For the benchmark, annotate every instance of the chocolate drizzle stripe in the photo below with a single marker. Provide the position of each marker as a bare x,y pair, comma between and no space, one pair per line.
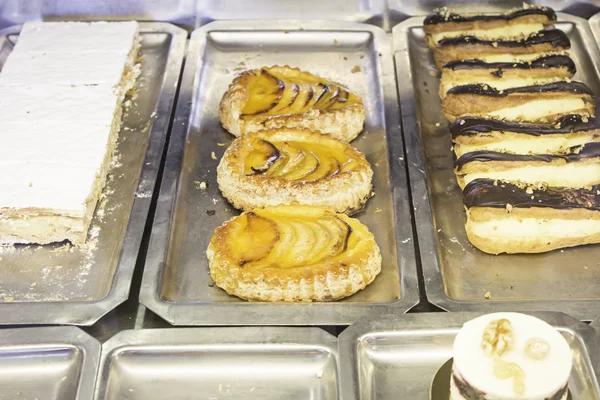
440,17
481,89
484,193
471,126
550,61
555,37
590,150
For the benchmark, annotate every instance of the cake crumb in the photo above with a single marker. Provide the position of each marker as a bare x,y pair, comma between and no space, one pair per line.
585,267
221,144
213,155
336,42
437,124
9,299
355,69
378,210
33,284
508,208
495,183
200,185
487,295
462,121
529,190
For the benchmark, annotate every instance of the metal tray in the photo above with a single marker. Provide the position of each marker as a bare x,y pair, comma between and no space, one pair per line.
47,363
219,363
594,22
176,283
59,284
384,356
456,274
369,11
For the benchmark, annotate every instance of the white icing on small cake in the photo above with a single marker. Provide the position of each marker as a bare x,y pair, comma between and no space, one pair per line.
538,350
62,89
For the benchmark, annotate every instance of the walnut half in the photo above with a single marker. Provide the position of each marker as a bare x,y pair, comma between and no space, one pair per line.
497,337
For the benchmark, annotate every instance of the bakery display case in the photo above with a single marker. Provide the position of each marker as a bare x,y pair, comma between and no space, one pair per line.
160,317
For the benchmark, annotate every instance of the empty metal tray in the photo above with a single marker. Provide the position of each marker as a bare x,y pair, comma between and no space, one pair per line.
457,275
391,357
176,283
47,363
219,363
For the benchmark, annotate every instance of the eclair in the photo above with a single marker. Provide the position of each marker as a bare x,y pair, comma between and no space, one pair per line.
580,167
516,23
537,103
508,218
471,134
504,75
527,49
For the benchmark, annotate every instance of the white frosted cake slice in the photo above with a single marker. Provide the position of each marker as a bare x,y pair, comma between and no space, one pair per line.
62,91
510,356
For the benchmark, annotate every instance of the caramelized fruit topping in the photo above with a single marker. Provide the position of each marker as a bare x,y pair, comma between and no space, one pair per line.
298,160
282,91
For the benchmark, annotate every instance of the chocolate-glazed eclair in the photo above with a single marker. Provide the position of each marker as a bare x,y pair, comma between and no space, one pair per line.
472,47
580,167
504,75
508,218
536,103
516,23
481,134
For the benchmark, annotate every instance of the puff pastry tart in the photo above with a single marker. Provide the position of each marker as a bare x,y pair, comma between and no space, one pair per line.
471,134
516,23
293,253
286,166
508,218
580,167
508,50
285,97
504,75
537,103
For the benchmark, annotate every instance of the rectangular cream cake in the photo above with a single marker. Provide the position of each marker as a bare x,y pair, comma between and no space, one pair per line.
61,92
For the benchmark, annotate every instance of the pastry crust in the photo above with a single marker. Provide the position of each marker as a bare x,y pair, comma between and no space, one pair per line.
513,24
506,75
532,103
545,239
265,255
342,116
471,47
342,188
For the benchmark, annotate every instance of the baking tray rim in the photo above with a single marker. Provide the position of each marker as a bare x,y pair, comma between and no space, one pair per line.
214,337
54,336
434,285
195,313
86,313
587,335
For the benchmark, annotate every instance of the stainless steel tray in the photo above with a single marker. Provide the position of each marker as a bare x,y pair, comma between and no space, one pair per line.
370,11
594,22
382,357
457,275
45,363
219,363
176,283
55,284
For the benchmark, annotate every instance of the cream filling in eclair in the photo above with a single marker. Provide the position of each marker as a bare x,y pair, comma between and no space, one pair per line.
517,31
535,227
527,145
538,109
575,175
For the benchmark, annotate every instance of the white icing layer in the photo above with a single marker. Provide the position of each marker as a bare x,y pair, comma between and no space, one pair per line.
543,377
61,98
